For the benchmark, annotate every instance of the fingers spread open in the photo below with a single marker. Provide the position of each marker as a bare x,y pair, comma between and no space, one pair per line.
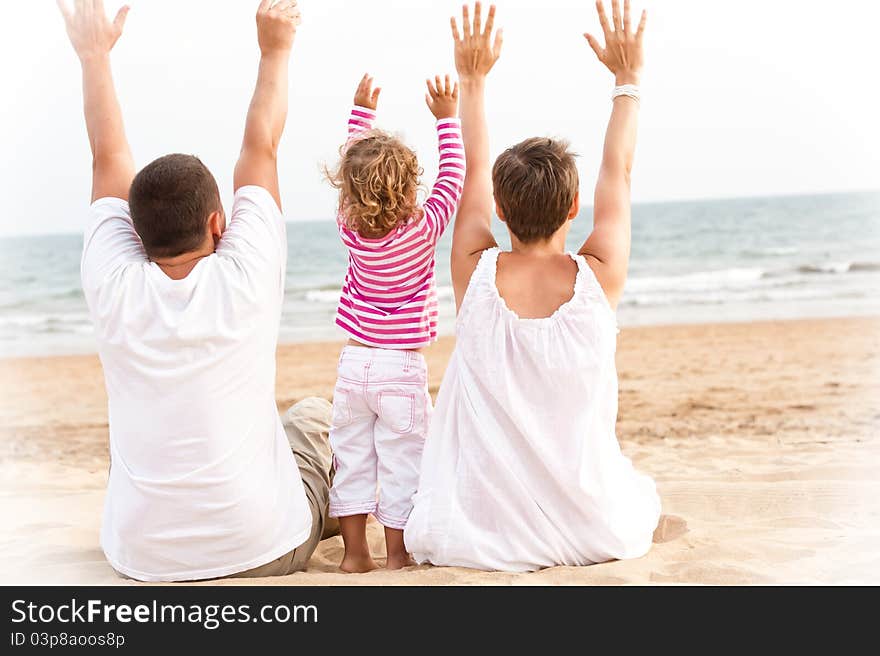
603,19
499,41
121,15
642,22
432,90
594,44
615,16
490,21
455,33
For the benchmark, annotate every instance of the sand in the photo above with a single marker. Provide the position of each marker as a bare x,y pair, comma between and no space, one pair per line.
763,439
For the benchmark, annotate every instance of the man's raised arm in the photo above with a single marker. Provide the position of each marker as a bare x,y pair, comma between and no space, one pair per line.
93,36
608,247
258,163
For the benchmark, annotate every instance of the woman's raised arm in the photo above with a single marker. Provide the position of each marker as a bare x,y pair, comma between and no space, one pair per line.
608,246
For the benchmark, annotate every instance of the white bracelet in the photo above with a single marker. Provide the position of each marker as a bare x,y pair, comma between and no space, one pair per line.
631,90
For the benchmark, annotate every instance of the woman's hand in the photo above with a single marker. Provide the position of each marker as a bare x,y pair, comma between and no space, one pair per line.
366,95
442,98
476,52
623,53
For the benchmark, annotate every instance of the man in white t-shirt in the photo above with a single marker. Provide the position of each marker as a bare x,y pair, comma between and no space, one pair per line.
206,480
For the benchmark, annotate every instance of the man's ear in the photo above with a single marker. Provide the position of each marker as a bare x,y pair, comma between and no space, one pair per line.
216,225
575,207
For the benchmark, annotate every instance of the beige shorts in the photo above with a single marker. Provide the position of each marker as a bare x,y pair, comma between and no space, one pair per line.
307,425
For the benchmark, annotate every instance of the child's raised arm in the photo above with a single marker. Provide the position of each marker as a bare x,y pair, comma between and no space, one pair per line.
608,246
363,114
475,54
442,99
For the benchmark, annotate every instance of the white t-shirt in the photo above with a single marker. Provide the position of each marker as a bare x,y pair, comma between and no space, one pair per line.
203,482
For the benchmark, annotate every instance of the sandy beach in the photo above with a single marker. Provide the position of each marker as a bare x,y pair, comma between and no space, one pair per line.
762,437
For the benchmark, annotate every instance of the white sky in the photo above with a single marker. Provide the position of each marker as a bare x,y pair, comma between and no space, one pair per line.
750,97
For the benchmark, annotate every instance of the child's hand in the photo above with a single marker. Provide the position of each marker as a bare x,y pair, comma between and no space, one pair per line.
442,98
476,53
366,95
623,53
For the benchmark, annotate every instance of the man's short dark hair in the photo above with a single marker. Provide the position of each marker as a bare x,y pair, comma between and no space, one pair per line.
535,183
170,201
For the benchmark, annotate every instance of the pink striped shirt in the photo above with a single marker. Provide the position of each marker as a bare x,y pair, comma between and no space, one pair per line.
389,298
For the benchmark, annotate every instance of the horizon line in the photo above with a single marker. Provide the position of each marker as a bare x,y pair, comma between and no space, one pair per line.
672,201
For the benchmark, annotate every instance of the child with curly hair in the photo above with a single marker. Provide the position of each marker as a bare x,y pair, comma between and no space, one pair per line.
388,308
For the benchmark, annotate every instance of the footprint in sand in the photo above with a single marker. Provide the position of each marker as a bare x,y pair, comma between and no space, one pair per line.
669,528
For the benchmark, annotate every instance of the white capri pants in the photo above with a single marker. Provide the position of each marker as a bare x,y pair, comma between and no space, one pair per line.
381,409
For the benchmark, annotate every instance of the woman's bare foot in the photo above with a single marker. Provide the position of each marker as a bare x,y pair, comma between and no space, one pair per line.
399,561
357,564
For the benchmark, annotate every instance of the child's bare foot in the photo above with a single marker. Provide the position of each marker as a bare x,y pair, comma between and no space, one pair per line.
399,561
396,550
357,564
357,559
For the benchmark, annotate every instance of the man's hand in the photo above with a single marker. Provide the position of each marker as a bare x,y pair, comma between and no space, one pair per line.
92,34
623,53
258,163
276,25
442,98
476,52
366,96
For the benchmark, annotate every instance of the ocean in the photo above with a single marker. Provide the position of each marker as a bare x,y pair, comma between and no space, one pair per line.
692,262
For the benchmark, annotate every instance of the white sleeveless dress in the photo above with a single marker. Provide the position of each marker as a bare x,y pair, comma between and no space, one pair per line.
522,468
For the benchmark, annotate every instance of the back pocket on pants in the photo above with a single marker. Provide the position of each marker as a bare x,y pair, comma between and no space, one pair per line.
398,411
341,409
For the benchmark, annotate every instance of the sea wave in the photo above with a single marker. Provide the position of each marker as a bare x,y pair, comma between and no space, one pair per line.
769,295
840,267
771,251
826,267
74,322
697,281
734,278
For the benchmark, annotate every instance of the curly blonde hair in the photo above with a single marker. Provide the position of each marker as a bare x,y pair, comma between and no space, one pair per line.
378,181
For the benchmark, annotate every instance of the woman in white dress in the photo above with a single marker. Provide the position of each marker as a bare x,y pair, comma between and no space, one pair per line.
522,468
